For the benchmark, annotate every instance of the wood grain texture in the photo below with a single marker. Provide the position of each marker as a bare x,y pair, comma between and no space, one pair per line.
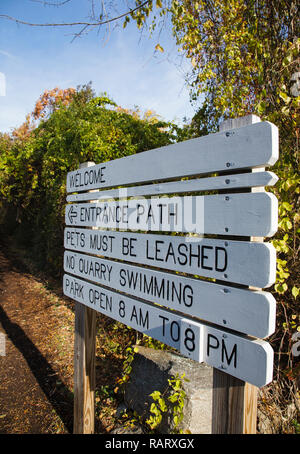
225,182
84,367
248,312
253,145
235,401
246,358
246,214
248,263
234,405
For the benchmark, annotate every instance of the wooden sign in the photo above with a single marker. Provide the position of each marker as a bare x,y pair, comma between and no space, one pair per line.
238,309
243,357
188,292
227,182
243,262
246,214
241,148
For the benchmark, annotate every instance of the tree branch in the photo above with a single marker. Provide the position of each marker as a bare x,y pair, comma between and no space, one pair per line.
71,24
45,3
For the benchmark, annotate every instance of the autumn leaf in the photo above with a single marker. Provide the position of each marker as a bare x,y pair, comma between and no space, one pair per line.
158,47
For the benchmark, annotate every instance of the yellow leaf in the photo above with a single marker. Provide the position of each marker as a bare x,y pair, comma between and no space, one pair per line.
158,47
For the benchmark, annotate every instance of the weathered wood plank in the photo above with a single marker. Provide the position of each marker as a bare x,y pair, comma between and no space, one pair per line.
241,262
242,310
84,366
84,369
244,214
241,356
247,147
227,182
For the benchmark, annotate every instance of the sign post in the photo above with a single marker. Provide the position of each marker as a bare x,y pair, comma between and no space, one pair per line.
84,365
198,291
234,404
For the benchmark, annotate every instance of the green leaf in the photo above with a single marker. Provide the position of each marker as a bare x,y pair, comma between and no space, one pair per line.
284,97
155,395
295,291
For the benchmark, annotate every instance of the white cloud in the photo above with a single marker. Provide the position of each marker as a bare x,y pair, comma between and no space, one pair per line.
2,85
7,54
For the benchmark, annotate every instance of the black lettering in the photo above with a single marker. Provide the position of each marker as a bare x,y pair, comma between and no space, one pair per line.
217,259
203,257
134,315
148,288
70,261
125,246
150,214
98,213
68,236
147,251
144,322
160,205
233,354
181,253
177,331
158,291
94,241
121,308
122,277
164,319
128,246
209,345
132,279
132,254
188,295
189,339
170,253
174,213
197,255
140,209
158,250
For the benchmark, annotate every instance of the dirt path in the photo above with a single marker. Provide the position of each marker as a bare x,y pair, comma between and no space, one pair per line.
34,397
36,372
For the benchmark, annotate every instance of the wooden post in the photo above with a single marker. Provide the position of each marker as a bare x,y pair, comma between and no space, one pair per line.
84,365
234,404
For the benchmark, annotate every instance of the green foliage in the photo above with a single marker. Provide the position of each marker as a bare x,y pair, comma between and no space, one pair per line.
127,368
171,401
245,59
35,159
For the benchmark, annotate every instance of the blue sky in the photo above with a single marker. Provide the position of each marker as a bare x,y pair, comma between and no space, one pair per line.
123,64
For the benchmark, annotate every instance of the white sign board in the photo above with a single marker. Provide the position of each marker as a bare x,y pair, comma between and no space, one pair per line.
243,262
182,311
246,147
227,182
238,309
248,214
245,358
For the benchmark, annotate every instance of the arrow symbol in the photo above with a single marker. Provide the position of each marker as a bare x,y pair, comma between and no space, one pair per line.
72,214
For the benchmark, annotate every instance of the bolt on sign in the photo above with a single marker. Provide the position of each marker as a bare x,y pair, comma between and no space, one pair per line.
173,263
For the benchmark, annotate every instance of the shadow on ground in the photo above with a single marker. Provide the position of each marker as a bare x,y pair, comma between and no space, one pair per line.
61,398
